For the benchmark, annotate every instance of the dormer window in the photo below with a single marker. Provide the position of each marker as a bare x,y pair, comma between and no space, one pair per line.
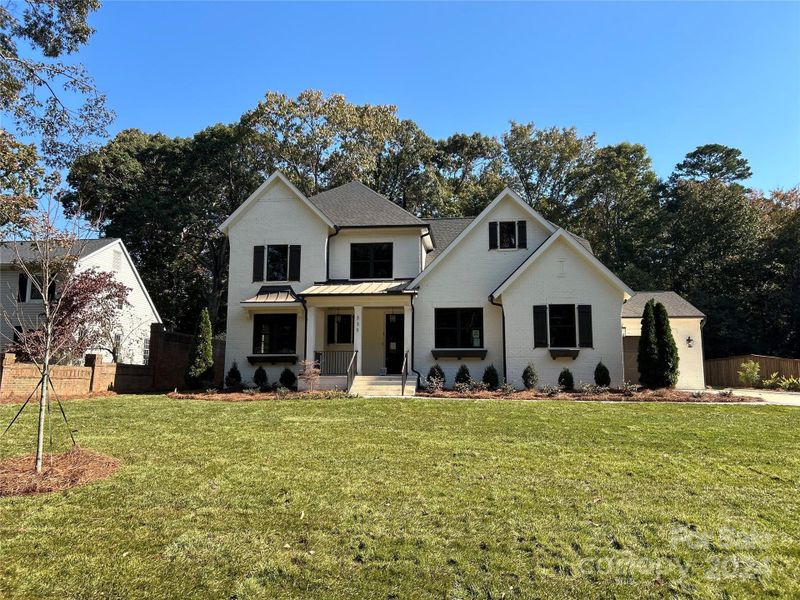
508,235
371,261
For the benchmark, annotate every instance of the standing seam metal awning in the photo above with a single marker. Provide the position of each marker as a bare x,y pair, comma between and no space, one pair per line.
273,294
356,288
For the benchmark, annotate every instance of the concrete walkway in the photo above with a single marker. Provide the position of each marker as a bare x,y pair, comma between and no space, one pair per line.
771,396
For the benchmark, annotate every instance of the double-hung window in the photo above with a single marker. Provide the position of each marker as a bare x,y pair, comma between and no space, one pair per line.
458,327
371,261
562,326
274,334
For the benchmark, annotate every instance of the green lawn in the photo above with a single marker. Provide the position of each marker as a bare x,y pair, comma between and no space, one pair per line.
414,498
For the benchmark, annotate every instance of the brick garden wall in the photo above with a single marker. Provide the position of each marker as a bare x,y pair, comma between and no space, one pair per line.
169,359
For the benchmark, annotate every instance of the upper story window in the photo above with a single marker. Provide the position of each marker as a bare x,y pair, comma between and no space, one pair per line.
508,235
371,261
562,326
276,262
458,327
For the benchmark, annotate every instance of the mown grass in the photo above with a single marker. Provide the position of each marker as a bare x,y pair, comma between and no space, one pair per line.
414,498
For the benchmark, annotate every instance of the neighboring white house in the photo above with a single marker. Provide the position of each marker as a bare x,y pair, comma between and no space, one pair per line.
21,301
371,292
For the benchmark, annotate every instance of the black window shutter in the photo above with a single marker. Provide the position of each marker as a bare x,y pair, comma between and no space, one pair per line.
294,263
522,234
540,337
22,294
585,326
493,235
258,263
331,329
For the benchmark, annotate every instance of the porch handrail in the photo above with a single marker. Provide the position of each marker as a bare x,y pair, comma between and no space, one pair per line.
351,370
404,373
333,362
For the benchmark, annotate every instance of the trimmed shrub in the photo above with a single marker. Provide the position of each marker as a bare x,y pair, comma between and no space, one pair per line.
506,389
436,372
491,378
667,365
288,379
260,377
648,348
463,375
565,380
234,378
201,360
530,377
601,375
750,373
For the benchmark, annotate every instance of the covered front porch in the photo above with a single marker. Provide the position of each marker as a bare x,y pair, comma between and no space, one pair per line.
350,335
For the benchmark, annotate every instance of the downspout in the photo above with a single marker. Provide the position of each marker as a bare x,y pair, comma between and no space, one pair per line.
305,327
503,316
336,230
411,350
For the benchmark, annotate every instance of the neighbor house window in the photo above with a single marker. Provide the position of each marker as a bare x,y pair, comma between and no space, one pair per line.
146,351
458,327
340,329
562,326
508,235
276,262
371,261
275,334
27,290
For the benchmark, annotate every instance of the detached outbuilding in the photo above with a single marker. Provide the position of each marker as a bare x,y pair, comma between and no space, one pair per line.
686,322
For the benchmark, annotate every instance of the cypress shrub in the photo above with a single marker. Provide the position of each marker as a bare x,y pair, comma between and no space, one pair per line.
436,372
601,375
234,378
201,358
648,348
565,380
288,379
667,364
260,378
530,377
463,375
491,378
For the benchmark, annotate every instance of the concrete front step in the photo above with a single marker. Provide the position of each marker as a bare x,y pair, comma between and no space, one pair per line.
376,385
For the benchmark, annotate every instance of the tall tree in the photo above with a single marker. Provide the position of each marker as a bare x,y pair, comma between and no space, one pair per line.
52,106
667,363
619,213
647,356
549,167
713,162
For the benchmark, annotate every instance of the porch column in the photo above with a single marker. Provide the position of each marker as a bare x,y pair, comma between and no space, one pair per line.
407,331
358,318
311,332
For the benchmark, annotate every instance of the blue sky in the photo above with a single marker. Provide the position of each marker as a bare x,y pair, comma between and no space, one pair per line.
668,75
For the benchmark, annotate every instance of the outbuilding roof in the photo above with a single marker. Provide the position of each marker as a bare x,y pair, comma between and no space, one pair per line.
355,205
28,251
676,305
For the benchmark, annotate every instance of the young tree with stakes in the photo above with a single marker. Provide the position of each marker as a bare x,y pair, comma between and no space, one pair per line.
73,302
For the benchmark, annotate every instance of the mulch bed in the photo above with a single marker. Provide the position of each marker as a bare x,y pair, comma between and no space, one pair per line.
610,396
75,467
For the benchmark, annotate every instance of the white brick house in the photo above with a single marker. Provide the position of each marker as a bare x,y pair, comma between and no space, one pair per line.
21,302
371,292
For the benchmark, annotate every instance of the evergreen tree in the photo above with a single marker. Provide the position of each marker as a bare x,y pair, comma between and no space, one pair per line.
463,375
667,364
601,375
201,359
491,378
648,348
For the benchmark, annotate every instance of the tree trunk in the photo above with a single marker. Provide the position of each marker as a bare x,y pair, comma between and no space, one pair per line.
42,412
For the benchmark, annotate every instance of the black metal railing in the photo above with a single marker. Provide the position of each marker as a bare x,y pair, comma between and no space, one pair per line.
333,362
404,373
352,370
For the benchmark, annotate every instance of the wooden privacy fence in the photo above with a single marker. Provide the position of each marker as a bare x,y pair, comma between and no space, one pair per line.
724,372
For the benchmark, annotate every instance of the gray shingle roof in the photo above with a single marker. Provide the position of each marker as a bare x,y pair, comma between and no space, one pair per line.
676,305
8,249
443,232
355,205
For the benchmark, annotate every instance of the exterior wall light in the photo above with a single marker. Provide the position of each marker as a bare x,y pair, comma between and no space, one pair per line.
690,341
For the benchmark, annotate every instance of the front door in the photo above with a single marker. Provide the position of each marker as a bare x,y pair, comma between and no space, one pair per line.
394,344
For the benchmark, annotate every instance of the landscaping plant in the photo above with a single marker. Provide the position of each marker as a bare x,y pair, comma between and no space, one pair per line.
667,364
201,359
260,378
648,348
463,375
491,378
234,378
565,380
601,375
436,372
288,379
750,373
530,377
